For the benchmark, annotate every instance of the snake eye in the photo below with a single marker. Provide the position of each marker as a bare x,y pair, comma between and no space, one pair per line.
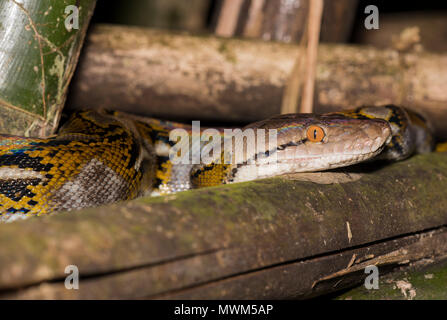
315,134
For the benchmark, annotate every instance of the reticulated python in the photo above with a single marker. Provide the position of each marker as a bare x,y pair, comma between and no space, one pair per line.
103,157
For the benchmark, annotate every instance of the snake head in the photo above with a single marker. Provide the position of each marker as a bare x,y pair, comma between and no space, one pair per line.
308,142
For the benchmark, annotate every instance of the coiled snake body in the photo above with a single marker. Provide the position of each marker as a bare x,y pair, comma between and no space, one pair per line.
103,157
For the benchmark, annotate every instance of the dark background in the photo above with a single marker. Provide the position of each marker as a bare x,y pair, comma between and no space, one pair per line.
120,12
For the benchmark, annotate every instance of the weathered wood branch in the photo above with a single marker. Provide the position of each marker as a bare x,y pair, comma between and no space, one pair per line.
288,237
178,76
421,282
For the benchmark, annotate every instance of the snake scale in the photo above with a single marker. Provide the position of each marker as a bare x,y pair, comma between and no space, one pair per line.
100,157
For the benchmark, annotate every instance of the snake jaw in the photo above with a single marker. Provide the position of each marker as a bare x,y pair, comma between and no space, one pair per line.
299,164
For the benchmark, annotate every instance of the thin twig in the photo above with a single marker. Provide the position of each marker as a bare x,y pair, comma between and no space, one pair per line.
315,14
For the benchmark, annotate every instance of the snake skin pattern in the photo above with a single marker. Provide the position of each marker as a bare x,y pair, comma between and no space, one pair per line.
100,157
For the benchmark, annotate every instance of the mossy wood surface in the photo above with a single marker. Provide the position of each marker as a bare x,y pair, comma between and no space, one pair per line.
38,55
273,238
178,76
418,283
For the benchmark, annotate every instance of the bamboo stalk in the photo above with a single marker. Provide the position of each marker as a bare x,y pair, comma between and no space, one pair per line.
37,59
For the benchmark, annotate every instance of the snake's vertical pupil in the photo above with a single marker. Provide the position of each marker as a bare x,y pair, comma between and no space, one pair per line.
315,133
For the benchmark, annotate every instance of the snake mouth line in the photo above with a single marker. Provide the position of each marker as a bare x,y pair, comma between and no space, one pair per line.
320,157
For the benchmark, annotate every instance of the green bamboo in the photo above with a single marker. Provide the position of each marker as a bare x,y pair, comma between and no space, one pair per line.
39,47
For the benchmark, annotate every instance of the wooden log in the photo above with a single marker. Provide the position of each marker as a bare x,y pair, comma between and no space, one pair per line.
297,280
287,237
183,77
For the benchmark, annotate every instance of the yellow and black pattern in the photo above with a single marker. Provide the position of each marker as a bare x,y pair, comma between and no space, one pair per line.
212,174
38,176
167,177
